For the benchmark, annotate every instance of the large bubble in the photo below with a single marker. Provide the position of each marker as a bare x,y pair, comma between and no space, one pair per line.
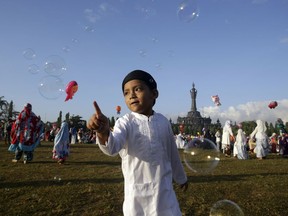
201,155
51,87
55,65
226,208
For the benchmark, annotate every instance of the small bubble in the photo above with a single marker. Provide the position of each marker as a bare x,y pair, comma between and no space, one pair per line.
188,11
33,69
29,54
142,53
66,49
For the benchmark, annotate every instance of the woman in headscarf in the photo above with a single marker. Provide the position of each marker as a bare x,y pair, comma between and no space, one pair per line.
262,144
61,144
226,138
241,144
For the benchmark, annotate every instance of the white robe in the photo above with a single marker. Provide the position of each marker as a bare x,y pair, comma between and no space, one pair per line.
180,142
240,145
150,160
227,132
262,145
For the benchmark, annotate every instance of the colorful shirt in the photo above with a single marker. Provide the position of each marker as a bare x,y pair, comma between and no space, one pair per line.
26,131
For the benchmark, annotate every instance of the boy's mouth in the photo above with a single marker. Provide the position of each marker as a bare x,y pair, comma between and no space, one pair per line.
134,102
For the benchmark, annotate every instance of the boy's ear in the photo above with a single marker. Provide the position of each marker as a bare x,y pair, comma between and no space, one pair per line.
156,93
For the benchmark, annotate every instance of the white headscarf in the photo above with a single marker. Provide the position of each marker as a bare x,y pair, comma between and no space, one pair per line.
63,134
260,129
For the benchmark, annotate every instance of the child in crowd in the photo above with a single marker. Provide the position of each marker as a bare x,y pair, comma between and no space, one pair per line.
61,147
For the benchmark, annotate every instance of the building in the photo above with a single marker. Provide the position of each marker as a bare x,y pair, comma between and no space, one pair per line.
194,121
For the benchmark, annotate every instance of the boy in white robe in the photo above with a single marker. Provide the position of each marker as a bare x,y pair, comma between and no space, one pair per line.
146,144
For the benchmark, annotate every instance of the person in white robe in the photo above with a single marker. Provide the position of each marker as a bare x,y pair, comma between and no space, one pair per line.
262,141
145,142
218,139
180,142
226,136
240,146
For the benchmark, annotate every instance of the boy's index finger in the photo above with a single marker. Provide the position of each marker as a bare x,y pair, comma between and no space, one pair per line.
97,108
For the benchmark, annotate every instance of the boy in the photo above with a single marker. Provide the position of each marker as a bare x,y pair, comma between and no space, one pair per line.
146,144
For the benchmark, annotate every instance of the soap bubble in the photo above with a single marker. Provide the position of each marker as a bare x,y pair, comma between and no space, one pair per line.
55,65
74,40
57,178
51,87
33,69
29,54
226,208
142,53
66,49
188,10
201,155
89,28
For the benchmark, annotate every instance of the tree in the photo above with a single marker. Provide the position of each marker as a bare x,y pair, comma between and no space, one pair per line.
59,119
77,122
10,110
67,117
112,121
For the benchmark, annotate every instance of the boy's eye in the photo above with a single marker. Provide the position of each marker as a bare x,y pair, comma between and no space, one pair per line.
138,88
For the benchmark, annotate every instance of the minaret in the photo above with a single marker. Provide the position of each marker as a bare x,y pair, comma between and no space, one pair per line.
193,93
194,118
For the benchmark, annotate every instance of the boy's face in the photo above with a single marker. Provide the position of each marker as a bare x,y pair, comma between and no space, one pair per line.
139,97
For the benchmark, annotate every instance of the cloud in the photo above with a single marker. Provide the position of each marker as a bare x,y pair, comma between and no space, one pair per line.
102,10
250,111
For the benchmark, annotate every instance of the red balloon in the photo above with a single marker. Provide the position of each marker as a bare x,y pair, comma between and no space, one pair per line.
273,104
71,89
118,109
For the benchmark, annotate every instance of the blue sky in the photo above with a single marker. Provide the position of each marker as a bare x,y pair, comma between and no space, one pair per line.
237,49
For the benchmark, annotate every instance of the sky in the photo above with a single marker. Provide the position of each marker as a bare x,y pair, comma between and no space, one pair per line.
236,49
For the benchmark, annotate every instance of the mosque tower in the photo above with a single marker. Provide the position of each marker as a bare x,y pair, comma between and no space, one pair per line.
194,118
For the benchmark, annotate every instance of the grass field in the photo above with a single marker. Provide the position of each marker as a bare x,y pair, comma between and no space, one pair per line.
91,183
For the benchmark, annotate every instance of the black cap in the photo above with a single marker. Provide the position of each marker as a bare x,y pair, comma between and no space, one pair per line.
140,75
28,105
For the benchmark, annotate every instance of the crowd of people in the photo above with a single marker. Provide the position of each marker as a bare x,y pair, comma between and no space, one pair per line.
242,145
25,133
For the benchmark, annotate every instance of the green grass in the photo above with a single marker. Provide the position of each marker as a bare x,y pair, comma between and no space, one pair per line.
91,183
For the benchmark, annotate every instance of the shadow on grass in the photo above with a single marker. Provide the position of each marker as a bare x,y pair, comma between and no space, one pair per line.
228,178
57,182
109,163
79,163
